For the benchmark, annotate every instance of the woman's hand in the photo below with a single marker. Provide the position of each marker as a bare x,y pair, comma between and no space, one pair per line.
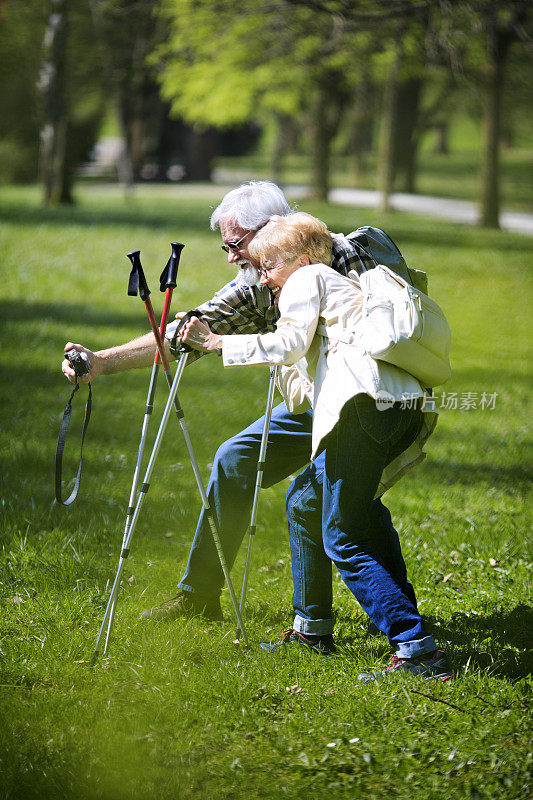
198,335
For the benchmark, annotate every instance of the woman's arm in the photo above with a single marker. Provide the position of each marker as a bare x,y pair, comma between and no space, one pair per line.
299,307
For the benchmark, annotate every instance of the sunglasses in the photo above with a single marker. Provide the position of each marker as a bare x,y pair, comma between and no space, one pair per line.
234,246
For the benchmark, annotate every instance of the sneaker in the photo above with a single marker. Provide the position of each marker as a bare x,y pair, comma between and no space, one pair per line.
319,644
186,604
431,665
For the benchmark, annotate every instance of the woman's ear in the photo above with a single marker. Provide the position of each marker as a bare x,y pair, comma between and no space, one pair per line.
304,260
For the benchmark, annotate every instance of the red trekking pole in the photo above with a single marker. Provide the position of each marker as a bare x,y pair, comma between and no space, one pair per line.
167,281
137,283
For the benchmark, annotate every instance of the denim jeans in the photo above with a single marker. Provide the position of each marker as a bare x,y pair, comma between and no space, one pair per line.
230,492
355,531
231,489
311,566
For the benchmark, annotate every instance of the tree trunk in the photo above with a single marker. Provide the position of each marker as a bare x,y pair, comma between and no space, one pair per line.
124,162
491,97
283,143
330,103
442,146
321,147
385,179
407,138
200,149
118,69
52,86
362,125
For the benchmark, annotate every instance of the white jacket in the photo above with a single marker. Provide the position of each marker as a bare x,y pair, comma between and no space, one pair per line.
324,363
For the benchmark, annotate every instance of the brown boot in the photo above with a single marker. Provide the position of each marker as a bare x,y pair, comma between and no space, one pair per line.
186,604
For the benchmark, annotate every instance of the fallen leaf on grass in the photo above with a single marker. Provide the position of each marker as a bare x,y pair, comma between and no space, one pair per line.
293,689
15,599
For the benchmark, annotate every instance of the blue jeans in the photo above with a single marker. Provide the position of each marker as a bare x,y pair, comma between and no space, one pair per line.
354,530
231,489
230,492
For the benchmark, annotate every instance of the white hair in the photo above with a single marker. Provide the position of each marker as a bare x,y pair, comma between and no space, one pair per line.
251,205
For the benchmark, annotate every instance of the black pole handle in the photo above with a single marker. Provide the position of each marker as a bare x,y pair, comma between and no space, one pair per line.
137,282
184,348
169,275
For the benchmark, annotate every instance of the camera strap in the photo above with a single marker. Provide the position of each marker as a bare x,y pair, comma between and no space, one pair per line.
61,445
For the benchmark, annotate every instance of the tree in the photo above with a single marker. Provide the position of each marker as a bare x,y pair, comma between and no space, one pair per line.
21,33
127,32
213,70
385,178
391,37
224,66
71,97
501,25
52,86
478,35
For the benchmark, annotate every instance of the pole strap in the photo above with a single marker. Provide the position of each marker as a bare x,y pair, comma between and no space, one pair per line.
176,348
61,446
137,281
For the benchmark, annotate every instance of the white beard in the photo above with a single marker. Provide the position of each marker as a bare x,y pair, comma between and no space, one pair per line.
249,274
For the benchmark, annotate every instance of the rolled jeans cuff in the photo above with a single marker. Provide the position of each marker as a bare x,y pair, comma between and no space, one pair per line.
416,647
313,627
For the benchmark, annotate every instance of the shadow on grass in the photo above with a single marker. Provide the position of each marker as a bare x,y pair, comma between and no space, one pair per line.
458,236
68,314
452,473
501,642
138,214
448,235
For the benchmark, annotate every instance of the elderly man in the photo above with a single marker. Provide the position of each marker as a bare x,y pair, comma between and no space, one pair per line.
324,363
246,306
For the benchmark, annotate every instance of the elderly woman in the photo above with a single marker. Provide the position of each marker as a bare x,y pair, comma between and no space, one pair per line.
367,419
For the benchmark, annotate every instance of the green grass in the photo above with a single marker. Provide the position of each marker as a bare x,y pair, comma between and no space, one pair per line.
179,710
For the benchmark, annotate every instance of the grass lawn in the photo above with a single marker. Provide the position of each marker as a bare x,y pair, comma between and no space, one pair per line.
178,710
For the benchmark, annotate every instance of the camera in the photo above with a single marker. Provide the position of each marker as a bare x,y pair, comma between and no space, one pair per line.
79,362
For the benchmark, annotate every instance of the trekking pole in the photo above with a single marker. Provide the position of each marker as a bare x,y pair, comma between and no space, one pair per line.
258,483
142,493
167,284
138,281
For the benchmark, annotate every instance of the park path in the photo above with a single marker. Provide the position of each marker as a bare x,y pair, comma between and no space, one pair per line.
463,211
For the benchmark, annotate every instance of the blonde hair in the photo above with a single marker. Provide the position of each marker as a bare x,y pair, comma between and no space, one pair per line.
292,236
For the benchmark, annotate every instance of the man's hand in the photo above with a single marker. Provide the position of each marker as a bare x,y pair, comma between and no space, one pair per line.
198,335
66,366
